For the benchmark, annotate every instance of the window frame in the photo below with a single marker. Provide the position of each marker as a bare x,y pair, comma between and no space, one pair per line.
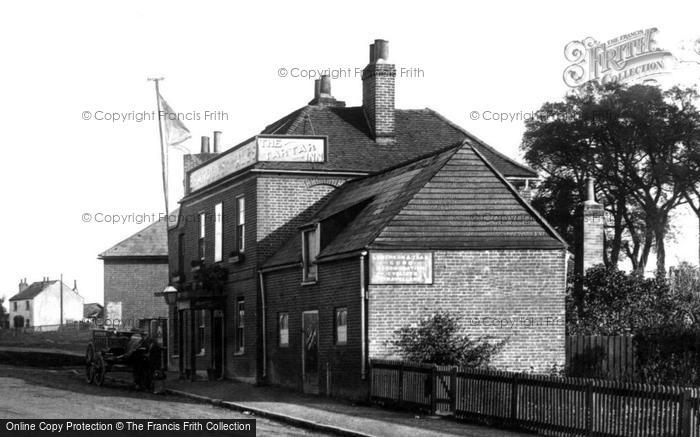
202,236
239,348
336,313
240,224
14,305
219,232
308,265
280,329
27,305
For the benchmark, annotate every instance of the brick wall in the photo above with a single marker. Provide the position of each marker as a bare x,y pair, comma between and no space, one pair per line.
285,203
510,294
133,282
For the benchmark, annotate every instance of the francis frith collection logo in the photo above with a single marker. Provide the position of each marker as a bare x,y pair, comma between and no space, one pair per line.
626,58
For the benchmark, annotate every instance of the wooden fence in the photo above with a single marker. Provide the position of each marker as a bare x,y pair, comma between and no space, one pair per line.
601,356
547,405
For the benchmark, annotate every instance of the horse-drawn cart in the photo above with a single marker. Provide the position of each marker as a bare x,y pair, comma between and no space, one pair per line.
113,350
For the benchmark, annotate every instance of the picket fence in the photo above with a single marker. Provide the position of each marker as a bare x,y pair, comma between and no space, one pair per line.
548,405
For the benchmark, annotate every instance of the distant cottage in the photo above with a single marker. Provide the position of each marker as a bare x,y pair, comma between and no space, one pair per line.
45,305
299,251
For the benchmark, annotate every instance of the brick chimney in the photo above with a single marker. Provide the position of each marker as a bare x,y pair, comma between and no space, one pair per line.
322,93
378,80
192,160
592,231
23,285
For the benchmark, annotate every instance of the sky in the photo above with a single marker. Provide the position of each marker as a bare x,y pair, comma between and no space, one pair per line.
68,65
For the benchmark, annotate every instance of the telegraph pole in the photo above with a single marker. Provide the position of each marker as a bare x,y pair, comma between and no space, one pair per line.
163,151
61,322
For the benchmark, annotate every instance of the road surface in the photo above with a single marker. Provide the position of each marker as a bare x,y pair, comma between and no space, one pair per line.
32,393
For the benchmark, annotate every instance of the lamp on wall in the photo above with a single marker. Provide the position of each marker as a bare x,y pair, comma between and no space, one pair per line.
170,294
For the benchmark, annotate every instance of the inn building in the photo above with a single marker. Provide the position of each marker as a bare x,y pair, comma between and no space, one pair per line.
298,252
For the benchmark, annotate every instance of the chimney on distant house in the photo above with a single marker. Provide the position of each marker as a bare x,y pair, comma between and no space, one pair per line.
378,79
217,141
322,93
592,231
75,285
23,285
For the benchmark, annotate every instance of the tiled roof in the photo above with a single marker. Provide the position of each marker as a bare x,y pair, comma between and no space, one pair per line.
351,147
148,242
35,289
452,199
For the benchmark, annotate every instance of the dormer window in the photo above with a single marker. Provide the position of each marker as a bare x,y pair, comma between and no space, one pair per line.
310,248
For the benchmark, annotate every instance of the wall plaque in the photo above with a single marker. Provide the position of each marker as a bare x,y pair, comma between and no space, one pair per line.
400,267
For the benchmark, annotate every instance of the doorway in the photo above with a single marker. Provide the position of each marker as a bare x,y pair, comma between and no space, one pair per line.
309,351
217,339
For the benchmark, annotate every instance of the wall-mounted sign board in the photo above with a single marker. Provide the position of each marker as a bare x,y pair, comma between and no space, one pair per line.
261,148
400,267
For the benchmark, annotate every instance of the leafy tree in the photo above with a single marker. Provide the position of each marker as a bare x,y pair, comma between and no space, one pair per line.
437,340
608,301
642,146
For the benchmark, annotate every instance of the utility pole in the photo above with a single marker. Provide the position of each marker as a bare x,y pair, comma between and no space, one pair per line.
61,322
163,151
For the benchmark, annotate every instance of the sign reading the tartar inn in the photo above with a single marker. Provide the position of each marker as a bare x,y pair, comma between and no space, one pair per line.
400,267
291,149
261,148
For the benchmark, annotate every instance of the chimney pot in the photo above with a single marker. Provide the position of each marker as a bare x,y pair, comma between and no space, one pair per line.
205,144
75,284
217,141
590,191
381,51
325,86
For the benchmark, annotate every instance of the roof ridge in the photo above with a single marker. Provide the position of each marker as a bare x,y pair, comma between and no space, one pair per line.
473,137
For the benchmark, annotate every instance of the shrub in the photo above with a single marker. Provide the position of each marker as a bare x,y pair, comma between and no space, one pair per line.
668,355
437,340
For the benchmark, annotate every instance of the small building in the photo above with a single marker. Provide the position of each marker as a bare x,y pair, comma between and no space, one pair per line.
135,269
45,305
299,251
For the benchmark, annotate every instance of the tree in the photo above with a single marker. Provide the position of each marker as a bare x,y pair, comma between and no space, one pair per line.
437,340
642,146
608,301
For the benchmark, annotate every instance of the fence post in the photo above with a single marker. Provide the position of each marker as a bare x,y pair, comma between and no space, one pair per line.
514,401
684,417
433,389
589,408
453,391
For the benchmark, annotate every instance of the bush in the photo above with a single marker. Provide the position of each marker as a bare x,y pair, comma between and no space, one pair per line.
437,340
608,301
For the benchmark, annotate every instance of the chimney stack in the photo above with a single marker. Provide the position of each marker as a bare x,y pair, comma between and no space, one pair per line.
592,231
75,285
217,141
322,93
378,83
22,285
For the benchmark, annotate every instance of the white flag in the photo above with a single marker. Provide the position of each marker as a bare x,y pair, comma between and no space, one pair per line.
175,131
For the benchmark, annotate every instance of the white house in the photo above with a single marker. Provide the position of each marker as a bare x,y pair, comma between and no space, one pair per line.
39,304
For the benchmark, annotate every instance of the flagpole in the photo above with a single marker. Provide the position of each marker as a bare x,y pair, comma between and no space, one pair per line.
163,149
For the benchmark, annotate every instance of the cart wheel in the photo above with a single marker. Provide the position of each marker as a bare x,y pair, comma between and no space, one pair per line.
100,370
89,365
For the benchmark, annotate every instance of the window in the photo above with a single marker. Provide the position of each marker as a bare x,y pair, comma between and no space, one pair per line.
26,305
283,322
218,233
202,234
180,254
14,306
341,326
240,224
240,325
309,253
202,328
27,325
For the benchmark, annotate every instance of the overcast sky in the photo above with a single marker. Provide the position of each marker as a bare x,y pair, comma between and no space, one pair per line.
61,59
